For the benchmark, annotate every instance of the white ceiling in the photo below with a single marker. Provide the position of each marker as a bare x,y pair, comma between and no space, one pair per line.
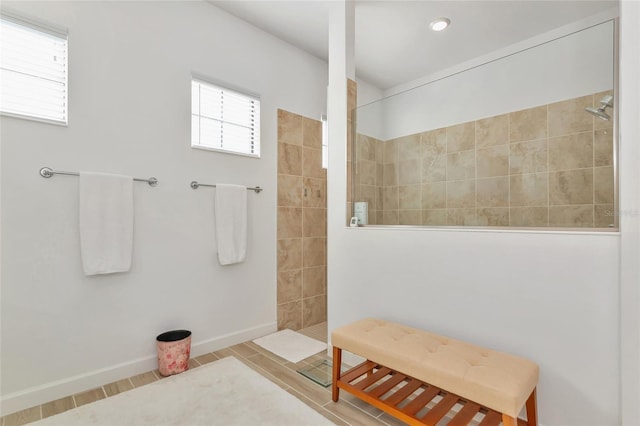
393,42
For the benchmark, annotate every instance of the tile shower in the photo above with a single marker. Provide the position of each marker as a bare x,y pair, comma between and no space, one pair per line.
302,223
548,166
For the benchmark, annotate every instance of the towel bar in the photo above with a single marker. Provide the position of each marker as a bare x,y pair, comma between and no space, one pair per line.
194,184
47,172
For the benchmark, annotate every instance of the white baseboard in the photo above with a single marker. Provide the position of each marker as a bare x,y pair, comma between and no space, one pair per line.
226,340
37,395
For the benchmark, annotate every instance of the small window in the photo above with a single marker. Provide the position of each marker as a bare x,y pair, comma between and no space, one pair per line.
33,71
224,120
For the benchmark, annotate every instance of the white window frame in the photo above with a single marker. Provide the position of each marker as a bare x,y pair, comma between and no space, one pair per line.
225,87
325,141
53,31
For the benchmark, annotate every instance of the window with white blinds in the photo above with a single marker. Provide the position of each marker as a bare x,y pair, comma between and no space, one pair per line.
224,120
33,67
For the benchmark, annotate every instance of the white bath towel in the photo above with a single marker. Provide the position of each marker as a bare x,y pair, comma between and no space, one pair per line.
106,222
231,223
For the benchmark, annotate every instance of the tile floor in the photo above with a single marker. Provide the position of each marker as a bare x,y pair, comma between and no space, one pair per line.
348,411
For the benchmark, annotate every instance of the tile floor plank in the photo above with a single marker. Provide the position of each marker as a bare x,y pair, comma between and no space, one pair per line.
297,366
143,379
243,350
326,413
350,413
259,349
321,356
22,417
89,396
117,387
206,358
58,406
223,353
263,372
303,385
390,420
358,403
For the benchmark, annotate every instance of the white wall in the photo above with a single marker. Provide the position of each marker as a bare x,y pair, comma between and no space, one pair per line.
630,211
129,112
367,92
551,297
573,66
369,113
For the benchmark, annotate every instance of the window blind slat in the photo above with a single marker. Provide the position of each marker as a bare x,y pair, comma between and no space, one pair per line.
223,119
33,72
26,66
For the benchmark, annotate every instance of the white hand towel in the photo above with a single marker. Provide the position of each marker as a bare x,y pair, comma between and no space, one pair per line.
231,223
106,222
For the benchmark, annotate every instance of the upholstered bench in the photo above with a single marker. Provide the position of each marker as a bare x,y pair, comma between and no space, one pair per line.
419,377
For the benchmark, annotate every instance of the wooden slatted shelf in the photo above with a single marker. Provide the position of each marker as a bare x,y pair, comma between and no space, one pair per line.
387,385
358,371
491,418
441,409
403,393
406,397
373,378
420,401
465,415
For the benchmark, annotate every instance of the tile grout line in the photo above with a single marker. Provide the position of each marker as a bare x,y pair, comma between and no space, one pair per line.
265,373
270,355
104,391
353,407
322,407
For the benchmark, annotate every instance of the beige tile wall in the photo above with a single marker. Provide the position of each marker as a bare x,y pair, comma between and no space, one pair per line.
352,96
548,166
302,223
369,175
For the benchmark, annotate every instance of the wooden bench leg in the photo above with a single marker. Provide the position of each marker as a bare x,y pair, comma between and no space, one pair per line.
337,361
509,421
532,409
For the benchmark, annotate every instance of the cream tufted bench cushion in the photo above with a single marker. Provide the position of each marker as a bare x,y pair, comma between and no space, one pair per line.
494,379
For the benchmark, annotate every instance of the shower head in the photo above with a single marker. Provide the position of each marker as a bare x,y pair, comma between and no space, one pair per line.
600,112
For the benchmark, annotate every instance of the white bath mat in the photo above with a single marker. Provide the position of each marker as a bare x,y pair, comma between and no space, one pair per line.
225,392
292,346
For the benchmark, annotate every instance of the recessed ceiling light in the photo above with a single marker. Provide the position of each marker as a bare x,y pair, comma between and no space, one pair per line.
439,24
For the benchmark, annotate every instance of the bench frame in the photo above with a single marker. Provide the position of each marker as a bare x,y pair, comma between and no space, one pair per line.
362,377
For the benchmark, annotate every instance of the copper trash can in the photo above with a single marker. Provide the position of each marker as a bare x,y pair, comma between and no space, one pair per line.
174,348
